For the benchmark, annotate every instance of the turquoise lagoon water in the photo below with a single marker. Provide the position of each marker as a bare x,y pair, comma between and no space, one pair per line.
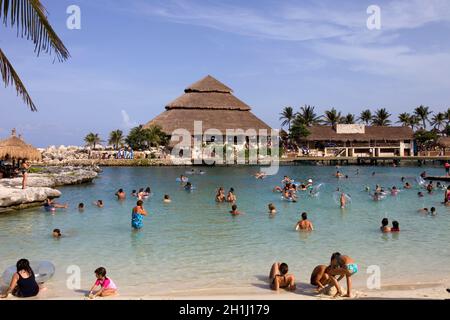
194,244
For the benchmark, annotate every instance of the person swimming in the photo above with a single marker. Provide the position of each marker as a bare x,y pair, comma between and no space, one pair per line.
304,224
272,209
141,194
433,211
81,207
220,195
147,192
260,175
231,197
188,186
420,194
430,187
56,233
120,194
407,186
234,210
395,226
385,226
394,191
133,193
99,203
50,205
338,174
167,199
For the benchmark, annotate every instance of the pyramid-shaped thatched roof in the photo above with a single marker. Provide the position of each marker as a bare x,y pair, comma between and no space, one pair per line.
211,102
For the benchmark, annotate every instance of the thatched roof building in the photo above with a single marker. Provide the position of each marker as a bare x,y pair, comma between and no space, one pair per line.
368,133
355,140
211,102
16,149
444,142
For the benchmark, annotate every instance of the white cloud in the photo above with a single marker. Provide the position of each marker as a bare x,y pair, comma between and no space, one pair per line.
126,122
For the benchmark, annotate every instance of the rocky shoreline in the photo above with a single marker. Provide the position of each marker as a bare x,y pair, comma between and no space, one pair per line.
40,185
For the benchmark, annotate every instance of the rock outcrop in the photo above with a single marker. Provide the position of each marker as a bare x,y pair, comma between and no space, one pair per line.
55,176
14,198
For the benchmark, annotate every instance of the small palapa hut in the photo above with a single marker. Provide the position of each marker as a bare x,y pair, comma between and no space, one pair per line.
212,103
14,148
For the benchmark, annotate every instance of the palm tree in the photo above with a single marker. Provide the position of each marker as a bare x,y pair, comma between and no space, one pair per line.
29,17
154,136
349,119
287,115
307,116
422,113
404,118
381,118
414,122
116,138
332,117
438,120
447,115
92,139
365,116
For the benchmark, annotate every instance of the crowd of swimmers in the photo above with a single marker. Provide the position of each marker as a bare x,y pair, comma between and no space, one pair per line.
323,276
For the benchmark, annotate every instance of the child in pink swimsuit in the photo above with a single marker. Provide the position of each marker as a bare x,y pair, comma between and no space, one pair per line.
108,288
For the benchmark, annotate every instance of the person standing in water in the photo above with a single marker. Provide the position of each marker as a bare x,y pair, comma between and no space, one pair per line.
342,200
120,194
137,215
304,224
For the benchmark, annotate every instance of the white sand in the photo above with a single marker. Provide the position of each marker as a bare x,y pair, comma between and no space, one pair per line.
303,292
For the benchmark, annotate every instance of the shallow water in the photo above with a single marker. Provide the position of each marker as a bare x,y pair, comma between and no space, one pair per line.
193,243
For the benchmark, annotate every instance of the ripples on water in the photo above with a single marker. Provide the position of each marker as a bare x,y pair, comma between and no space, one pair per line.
194,243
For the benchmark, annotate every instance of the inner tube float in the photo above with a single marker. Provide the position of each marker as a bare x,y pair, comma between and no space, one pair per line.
43,271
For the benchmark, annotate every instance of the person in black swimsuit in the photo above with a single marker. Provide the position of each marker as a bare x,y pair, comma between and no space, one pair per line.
23,283
24,169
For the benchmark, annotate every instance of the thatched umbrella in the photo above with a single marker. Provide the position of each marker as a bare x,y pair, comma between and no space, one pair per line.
16,149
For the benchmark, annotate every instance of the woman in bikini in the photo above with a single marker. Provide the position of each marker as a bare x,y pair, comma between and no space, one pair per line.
279,277
24,169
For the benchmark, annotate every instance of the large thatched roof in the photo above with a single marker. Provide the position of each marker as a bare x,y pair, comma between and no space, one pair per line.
211,102
15,148
380,133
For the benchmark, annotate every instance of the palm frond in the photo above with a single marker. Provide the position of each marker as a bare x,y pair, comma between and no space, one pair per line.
10,77
29,16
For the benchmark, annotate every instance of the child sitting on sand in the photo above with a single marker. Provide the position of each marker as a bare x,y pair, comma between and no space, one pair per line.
108,288
279,277
321,278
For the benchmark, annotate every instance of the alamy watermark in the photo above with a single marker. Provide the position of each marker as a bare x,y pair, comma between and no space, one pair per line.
234,146
73,22
374,20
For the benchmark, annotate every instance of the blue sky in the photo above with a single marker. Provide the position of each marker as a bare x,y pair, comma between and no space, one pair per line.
133,57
